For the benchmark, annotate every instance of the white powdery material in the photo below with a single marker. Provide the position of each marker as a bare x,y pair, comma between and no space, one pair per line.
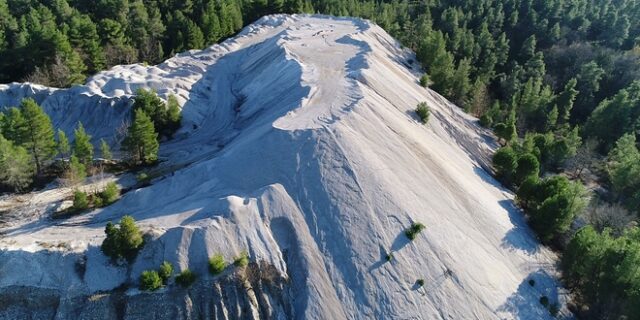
300,145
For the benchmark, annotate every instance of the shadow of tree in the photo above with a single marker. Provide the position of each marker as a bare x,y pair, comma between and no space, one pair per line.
525,302
520,237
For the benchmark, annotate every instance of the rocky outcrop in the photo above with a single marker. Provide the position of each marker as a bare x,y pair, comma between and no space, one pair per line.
253,292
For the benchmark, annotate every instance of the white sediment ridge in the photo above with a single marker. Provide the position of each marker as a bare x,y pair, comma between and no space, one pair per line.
300,145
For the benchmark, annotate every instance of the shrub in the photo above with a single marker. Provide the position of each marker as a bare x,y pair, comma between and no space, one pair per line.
424,80
544,301
505,161
124,241
526,166
242,260
143,178
80,200
423,112
413,231
420,282
217,264
486,120
186,278
110,193
389,257
150,280
532,282
97,200
166,271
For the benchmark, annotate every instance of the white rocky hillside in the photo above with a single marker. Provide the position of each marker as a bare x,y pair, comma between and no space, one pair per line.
299,144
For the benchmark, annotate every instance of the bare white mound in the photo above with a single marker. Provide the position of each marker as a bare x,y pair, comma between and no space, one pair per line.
300,145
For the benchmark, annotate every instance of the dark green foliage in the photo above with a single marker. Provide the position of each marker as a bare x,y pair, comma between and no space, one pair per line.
413,231
388,257
532,282
420,282
110,194
122,241
505,131
624,171
604,271
16,165
166,119
80,200
423,112
242,260
186,278
165,271
64,148
39,138
424,80
150,280
142,140
82,147
217,264
505,161
105,151
552,204
76,172
526,167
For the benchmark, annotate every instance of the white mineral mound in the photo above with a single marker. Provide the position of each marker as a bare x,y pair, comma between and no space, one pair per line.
300,145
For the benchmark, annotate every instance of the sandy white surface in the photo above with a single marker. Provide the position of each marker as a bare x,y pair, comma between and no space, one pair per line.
299,144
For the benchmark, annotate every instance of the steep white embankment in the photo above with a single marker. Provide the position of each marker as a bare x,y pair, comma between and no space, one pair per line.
300,144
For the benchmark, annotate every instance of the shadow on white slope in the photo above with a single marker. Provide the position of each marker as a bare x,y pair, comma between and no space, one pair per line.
300,145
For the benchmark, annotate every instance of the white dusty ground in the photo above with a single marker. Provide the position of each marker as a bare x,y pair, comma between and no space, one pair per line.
300,144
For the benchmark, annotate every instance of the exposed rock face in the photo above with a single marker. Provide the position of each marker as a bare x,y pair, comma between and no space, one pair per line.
254,292
299,144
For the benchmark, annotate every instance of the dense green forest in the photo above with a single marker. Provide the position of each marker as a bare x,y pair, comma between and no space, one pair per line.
557,80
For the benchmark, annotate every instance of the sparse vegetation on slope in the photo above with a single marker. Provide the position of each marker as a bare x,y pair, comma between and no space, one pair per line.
413,231
186,278
123,241
422,110
150,280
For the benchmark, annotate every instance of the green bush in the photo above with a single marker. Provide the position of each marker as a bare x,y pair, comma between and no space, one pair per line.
110,193
413,231
186,278
143,178
80,200
166,271
424,80
423,112
150,280
217,264
486,120
97,201
122,241
505,161
420,282
242,260
389,257
532,282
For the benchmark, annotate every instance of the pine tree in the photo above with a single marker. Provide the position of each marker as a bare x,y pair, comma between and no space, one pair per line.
76,172
105,151
565,100
195,38
16,165
14,126
460,84
142,139
40,136
64,149
82,147
174,117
